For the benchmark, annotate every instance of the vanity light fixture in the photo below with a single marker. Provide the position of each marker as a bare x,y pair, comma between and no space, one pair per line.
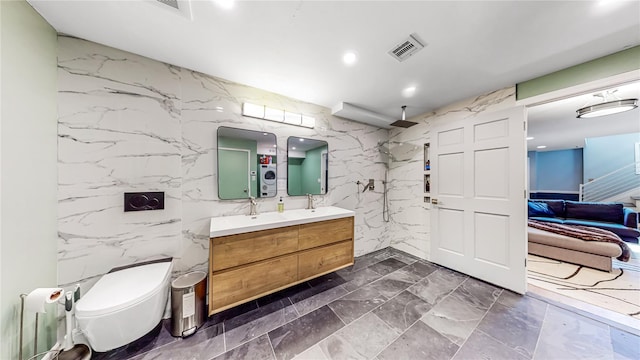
277,115
292,118
273,114
308,121
607,106
256,111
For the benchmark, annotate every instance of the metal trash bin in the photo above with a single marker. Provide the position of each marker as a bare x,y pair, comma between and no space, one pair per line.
188,311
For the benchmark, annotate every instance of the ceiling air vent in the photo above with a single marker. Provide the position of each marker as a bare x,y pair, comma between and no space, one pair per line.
172,3
406,48
179,7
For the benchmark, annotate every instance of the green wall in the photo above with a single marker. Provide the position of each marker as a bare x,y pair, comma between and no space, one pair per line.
311,171
227,168
28,163
303,173
294,176
614,64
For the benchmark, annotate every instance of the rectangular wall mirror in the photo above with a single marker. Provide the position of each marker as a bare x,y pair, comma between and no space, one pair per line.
307,166
246,164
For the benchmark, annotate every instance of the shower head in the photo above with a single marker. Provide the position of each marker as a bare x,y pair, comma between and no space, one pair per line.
388,156
394,142
397,150
403,123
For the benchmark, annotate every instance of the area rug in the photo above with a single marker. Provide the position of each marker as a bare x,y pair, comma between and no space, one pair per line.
618,290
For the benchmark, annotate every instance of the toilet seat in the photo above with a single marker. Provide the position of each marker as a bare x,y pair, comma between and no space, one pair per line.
134,285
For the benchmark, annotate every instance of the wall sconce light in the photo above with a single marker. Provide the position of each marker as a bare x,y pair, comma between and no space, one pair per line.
267,113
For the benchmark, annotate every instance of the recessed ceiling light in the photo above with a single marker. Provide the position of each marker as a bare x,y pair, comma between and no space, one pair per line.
530,137
409,92
225,4
293,148
301,139
541,147
274,145
350,58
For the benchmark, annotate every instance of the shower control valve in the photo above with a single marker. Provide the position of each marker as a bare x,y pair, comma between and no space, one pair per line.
371,185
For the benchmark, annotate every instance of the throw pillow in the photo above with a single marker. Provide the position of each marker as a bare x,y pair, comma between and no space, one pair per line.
539,209
557,206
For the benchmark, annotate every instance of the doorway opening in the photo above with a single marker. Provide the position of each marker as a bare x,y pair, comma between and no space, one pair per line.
567,159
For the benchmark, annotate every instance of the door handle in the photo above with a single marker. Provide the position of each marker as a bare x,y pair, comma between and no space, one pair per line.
246,190
435,202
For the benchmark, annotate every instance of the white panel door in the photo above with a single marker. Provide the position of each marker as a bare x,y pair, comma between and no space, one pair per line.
478,197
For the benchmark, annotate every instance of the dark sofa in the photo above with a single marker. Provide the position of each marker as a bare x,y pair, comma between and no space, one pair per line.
604,215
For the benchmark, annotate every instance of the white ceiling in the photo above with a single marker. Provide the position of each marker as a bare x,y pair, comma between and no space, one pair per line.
555,125
295,48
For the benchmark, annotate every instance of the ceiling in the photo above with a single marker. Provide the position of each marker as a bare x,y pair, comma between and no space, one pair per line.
295,48
555,125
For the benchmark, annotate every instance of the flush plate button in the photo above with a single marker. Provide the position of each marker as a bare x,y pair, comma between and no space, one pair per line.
139,201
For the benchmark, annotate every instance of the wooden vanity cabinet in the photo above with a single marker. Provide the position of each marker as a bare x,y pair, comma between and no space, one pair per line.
243,283
324,232
247,266
247,248
324,259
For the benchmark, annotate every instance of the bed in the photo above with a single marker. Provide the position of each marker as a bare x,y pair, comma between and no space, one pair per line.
593,254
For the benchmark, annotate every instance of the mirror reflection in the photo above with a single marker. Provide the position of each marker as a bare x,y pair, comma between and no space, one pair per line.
246,164
307,166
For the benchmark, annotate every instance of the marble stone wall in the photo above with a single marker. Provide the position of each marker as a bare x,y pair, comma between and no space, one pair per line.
410,224
129,123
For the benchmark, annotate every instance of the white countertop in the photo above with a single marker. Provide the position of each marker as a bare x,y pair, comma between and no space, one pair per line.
238,224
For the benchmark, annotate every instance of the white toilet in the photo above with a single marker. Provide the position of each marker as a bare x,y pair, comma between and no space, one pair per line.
124,305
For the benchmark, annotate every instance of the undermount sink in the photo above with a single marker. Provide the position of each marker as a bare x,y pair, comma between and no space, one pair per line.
237,224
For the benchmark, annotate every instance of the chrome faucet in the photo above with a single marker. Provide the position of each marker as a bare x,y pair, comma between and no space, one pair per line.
253,210
310,204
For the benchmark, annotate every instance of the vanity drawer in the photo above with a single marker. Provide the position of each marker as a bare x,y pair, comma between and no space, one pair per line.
325,232
241,249
316,262
233,287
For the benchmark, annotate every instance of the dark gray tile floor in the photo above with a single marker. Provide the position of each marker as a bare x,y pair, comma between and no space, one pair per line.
390,305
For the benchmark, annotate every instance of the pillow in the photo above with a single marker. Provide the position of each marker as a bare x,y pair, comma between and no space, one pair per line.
539,209
557,206
609,212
